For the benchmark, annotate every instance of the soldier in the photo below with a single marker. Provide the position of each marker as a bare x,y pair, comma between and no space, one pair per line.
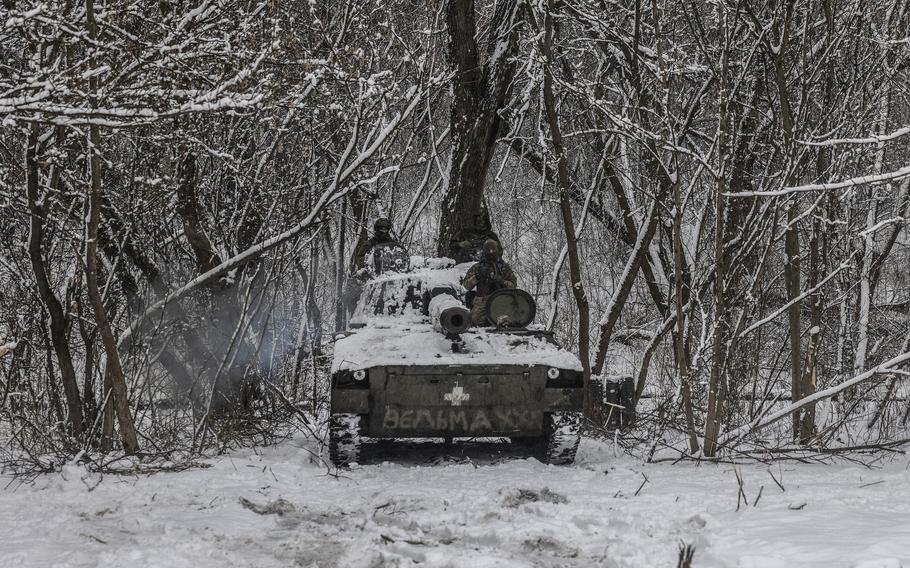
487,276
368,260
467,243
382,237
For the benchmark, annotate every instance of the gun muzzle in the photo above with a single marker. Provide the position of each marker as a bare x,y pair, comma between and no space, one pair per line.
449,315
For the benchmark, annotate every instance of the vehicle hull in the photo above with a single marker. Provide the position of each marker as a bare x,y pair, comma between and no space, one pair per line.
456,401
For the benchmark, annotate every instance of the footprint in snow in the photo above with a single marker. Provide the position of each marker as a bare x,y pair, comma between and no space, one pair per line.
524,496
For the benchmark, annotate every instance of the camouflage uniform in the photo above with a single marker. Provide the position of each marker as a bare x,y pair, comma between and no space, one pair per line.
382,235
467,243
359,269
487,276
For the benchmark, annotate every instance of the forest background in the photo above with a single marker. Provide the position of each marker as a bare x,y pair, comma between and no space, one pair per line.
708,196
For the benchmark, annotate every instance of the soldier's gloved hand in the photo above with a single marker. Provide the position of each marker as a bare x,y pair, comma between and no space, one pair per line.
464,244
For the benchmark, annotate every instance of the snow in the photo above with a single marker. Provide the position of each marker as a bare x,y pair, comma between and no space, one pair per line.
411,340
472,505
444,302
97,71
23,16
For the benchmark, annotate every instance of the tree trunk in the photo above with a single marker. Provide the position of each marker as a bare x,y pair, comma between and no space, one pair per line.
340,267
479,93
682,293
55,309
117,381
565,207
868,258
810,378
822,164
717,381
792,278
621,294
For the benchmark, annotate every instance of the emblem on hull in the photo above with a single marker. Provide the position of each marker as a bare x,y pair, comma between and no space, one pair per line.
457,396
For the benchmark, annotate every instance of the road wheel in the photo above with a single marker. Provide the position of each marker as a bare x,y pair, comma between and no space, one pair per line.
562,433
344,439
559,441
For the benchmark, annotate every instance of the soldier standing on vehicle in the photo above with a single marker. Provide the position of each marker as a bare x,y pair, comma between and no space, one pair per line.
467,243
382,237
363,261
487,276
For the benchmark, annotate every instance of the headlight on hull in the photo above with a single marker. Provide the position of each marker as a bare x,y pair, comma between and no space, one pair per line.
351,379
563,378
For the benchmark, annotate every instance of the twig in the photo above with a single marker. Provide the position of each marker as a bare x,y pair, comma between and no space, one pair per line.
640,487
760,489
771,473
686,554
741,495
93,537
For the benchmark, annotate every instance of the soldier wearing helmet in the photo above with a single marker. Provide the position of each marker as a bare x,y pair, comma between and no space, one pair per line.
485,277
382,237
467,243
371,257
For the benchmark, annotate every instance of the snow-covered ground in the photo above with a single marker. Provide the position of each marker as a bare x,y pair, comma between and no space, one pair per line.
469,506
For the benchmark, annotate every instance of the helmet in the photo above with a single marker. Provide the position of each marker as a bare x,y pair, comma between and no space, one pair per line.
491,250
382,225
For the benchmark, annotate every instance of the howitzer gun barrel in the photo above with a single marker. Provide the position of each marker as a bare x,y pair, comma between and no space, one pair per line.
449,315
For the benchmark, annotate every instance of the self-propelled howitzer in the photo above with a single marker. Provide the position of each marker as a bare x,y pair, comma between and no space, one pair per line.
412,366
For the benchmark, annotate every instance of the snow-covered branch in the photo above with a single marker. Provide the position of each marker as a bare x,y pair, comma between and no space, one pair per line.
761,422
339,187
846,184
874,139
778,312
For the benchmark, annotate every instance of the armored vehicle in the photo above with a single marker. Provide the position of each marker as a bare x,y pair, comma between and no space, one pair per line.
411,366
